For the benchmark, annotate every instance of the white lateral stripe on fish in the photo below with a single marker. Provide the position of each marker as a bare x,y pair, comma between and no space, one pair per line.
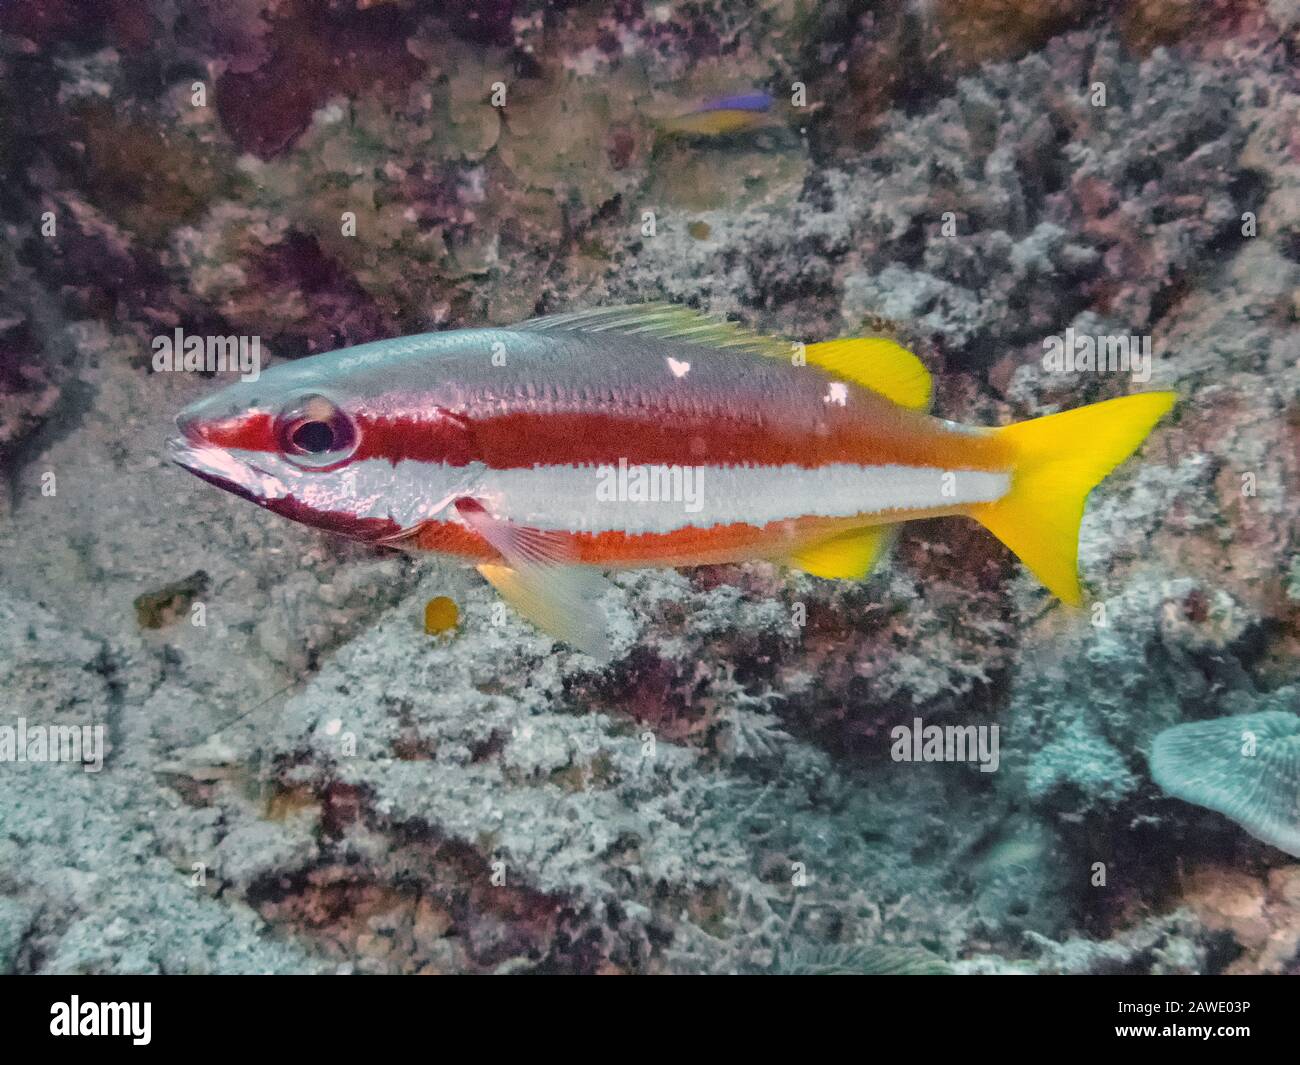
568,497
571,498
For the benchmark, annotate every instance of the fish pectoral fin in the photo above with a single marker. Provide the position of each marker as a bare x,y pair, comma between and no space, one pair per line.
846,556
538,576
879,364
559,600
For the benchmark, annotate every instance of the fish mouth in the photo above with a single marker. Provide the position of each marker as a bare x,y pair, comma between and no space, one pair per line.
198,458
219,467
238,474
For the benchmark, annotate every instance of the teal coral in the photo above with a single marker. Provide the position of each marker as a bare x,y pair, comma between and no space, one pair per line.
1245,767
858,960
1080,768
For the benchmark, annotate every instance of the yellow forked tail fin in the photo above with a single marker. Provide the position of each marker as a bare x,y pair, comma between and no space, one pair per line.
1059,459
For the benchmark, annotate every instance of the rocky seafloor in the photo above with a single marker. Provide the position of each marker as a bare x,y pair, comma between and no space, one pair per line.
309,781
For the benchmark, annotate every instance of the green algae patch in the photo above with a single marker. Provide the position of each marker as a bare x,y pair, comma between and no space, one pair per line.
153,610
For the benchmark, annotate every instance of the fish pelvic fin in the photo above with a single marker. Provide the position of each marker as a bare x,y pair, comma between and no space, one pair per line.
846,556
559,600
539,577
879,364
1058,460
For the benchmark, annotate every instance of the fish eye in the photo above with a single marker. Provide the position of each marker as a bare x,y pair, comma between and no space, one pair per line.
315,433
315,438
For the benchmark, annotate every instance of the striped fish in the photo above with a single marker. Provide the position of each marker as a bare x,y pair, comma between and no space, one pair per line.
727,114
639,436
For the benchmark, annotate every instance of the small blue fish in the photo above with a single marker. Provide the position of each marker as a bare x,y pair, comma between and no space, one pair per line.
726,114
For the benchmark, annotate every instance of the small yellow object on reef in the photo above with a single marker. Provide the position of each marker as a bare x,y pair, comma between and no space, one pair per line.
440,615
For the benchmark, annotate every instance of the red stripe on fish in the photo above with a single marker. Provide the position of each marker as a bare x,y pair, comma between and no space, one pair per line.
434,437
525,440
438,437
691,546
252,431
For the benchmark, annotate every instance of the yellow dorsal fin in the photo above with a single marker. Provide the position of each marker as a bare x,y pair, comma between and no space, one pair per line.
846,556
662,321
879,364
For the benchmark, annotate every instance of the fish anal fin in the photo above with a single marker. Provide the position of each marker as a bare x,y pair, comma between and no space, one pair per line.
877,363
845,556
